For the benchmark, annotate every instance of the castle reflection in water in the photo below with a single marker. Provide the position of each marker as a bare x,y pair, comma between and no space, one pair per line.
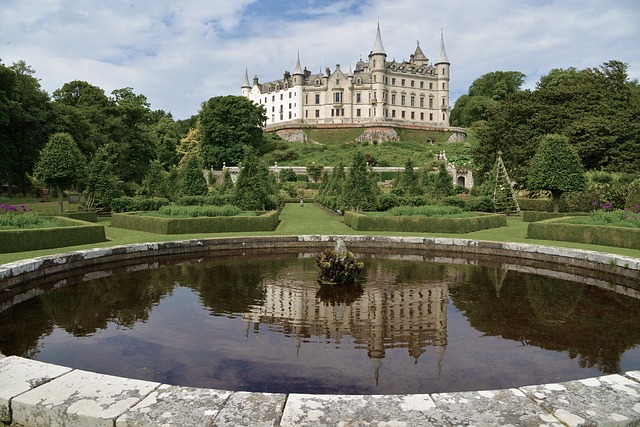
380,314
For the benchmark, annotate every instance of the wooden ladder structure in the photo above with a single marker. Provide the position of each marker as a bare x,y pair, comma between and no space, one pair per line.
509,206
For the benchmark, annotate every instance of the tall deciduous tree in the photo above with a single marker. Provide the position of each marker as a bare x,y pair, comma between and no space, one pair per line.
60,164
227,125
556,167
101,184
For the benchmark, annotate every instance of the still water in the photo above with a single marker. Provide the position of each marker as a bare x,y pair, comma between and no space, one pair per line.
413,324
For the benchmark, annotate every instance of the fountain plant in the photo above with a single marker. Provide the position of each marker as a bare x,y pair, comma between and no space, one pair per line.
338,266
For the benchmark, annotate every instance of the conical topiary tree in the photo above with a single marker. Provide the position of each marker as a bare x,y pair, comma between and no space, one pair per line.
556,167
361,190
193,182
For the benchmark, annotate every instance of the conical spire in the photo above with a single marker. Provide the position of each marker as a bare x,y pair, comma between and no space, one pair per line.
298,69
378,48
246,79
419,56
442,57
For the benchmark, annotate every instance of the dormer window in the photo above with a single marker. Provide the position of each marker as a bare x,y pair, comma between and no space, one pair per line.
317,82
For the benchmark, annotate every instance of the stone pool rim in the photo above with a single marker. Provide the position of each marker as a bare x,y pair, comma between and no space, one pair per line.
27,387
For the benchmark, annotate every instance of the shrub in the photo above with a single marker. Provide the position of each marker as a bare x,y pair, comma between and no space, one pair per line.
421,224
288,175
424,211
212,199
471,204
198,211
138,203
559,229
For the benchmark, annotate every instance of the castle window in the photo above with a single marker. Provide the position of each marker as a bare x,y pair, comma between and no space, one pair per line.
337,97
358,112
443,101
317,98
413,115
421,85
281,97
289,115
443,117
403,99
443,73
431,103
289,105
431,116
289,95
421,102
413,83
337,81
358,81
403,114
444,86
403,81
273,98
431,85
273,109
358,96
413,101
306,99
306,114
317,82
281,117
393,99
422,116
393,113
317,113
393,81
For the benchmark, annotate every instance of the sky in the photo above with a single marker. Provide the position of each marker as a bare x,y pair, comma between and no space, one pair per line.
180,53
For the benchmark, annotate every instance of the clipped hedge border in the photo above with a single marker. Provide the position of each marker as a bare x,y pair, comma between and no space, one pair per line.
81,216
558,229
138,221
535,216
362,222
71,232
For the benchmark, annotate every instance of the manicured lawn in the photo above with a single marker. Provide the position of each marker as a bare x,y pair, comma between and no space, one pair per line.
313,219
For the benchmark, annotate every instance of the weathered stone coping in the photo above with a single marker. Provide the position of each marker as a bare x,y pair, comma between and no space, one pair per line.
33,393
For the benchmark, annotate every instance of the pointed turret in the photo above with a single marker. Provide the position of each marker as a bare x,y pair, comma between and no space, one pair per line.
246,87
298,69
378,48
442,57
419,57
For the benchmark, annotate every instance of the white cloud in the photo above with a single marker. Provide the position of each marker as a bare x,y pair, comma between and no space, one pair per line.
180,53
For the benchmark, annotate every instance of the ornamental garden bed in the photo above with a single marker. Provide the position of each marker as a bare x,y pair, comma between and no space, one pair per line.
196,219
424,219
617,228
57,232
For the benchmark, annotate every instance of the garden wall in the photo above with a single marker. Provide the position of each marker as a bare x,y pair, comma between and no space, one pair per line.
70,233
138,221
417,224
558,229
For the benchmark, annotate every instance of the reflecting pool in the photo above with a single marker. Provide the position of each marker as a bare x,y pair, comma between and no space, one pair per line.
415,323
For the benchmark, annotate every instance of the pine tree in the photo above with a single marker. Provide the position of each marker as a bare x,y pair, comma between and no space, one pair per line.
154,183
361,190
254,185
193,182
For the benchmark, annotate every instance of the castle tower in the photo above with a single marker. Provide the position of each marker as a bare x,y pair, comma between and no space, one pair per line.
246,87
442,71
378,67
298,82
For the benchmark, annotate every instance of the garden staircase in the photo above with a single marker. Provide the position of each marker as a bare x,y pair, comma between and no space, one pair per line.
504,198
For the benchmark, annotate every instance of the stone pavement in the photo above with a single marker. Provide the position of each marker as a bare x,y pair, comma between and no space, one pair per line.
33,393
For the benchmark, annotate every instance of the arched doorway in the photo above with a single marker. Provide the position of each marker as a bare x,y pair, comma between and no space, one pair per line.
461,181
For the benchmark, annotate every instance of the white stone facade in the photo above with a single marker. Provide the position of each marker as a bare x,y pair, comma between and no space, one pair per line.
378,91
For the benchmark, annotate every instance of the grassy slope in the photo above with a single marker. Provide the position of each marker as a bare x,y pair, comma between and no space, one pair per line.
312,219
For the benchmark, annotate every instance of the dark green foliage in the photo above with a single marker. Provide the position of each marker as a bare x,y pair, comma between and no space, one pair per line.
314,171
198,211
364,222
484,93
266,222
288,175
60,164
101,185
426,211
559,229
192,180
556,168
154,183
470,203
138,203
533,216
360,191
254,184
443,186
228,125
227,183
407,183
70,232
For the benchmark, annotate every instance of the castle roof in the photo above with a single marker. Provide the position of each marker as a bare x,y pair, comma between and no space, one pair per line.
298,69
442,57
246,79
418,55
378,48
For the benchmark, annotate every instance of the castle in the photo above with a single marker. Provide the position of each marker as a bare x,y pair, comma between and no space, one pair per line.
413,93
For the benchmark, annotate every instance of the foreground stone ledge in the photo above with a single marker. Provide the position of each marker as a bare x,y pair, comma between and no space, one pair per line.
18,375
252,409
358,410
79,398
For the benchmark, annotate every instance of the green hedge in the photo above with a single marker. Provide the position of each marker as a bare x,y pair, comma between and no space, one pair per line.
81,216
138,221
71,232
533,216
558,229
362,222
138,203
538,205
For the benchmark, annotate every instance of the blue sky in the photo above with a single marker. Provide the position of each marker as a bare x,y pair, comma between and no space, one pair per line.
180,53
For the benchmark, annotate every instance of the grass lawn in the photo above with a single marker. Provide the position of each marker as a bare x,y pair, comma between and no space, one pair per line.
313,219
